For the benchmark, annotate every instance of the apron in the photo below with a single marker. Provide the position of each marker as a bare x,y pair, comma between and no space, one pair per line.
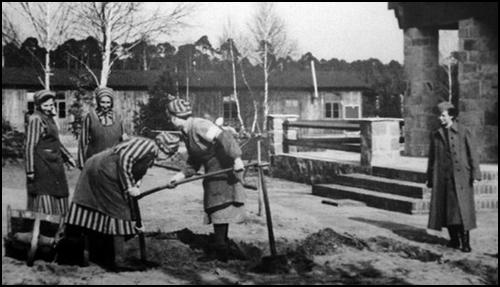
102,137
50,178
101,184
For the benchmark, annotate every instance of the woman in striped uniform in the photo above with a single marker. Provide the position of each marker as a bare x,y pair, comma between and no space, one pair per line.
102,128
101,208
209,145
46,180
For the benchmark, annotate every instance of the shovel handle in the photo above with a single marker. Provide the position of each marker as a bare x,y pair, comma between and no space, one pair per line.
222,171
142,239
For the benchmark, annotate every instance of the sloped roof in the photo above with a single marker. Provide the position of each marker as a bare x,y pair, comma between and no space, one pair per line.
141,80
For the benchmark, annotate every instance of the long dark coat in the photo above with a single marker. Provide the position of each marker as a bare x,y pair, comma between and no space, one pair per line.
465,169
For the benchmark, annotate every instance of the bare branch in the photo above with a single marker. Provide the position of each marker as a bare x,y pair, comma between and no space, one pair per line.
86,67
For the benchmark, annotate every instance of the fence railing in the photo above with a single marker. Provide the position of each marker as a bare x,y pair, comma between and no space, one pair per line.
344,142
371,137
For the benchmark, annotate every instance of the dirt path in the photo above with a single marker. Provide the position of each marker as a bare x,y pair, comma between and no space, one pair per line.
324,244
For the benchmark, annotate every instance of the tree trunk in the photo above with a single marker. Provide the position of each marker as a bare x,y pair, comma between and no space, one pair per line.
106,57
235,90
255,104
187,79
47,49
47,70
266,87
144,60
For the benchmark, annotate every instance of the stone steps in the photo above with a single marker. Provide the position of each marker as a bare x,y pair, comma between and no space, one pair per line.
383,185
404,188
401,190
392,202
420,176
374,199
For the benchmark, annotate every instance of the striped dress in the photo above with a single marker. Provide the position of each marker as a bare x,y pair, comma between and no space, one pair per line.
101,202
97,136
48,193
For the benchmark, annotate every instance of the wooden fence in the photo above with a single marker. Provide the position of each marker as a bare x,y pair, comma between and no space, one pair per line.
337,141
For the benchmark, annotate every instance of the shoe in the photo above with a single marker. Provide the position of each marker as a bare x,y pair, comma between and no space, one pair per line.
454,237
466,242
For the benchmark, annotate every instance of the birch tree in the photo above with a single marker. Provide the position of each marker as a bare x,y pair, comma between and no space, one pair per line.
230,52
51,23
270,42
10,32
126,22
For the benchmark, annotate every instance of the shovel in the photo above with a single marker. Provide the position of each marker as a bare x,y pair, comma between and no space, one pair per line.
274,263
135,201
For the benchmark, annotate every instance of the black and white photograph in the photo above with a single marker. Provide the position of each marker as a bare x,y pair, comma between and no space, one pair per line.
249,143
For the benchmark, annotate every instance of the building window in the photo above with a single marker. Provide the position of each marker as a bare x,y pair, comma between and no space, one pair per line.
332,110
352,106
61,105
352,112
31,102
291,103
230,109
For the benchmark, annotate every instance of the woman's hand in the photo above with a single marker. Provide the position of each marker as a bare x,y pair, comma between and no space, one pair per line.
176,178
30,177
134,191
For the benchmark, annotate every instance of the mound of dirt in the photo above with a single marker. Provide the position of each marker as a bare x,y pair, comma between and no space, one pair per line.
327,241
489,274
384,244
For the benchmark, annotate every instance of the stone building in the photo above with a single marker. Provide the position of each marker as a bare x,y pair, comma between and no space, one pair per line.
477,25
340,95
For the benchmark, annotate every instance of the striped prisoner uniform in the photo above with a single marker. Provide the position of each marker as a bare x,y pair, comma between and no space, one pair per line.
40,128
129,154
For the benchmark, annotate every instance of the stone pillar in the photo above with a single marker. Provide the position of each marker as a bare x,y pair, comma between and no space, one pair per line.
379,139
478,84
421,65
275,131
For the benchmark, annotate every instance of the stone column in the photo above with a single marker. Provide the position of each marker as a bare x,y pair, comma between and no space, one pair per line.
275,131
421,65
478,84
379,139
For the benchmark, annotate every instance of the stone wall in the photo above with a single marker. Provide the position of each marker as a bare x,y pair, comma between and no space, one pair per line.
478,84
421,64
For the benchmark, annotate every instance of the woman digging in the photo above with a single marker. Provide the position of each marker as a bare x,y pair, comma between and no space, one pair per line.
102,208
214,149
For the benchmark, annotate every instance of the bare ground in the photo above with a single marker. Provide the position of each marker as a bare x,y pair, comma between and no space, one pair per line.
324,244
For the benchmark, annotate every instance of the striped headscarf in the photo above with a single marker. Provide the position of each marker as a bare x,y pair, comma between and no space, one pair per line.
43,95
168,142
179,108
100,92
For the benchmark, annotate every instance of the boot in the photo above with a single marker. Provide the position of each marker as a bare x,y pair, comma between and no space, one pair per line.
466,241
454,237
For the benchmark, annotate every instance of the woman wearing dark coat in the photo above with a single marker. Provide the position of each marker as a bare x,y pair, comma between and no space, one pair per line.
46,179
213,148
102,128
452,170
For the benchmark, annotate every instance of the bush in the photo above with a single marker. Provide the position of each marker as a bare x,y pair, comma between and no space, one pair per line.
83,83
152,115
12,143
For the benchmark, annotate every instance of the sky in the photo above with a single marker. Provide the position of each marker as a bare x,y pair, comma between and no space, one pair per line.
344,30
